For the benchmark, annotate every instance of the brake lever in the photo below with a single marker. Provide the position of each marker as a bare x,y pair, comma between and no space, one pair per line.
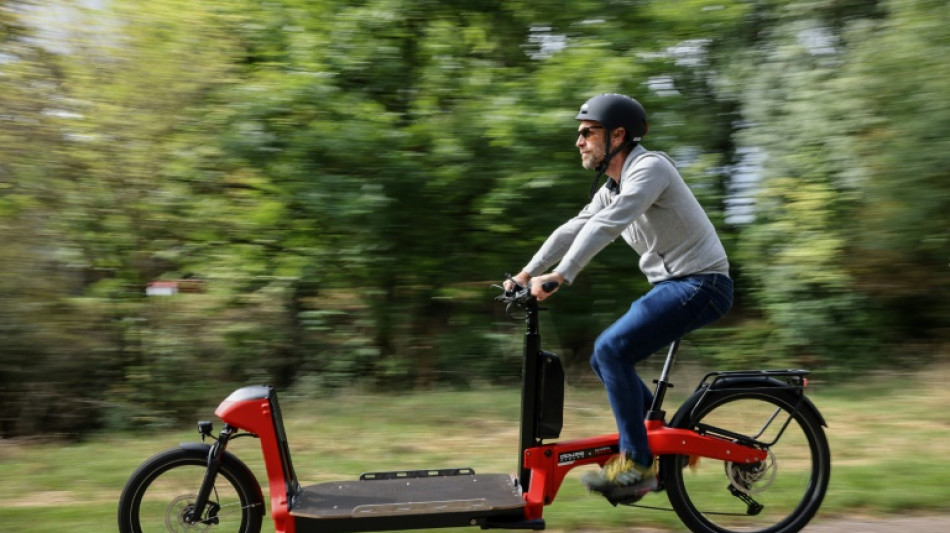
514,297
510,295
504,292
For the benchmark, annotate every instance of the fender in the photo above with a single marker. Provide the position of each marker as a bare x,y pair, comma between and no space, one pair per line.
730,383
231,460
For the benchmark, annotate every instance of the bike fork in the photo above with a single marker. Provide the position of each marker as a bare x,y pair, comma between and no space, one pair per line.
215,455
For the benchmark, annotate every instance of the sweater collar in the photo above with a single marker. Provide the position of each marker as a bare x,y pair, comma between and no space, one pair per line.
613,186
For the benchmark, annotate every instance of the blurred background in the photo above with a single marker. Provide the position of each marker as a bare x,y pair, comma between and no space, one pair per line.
317,194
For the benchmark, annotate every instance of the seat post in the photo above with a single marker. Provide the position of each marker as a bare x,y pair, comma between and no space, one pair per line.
656,412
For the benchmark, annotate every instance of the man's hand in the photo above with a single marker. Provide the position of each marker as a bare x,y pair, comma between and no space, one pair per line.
522,278
537,285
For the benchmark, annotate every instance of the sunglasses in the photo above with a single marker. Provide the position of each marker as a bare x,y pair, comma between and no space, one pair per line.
585,131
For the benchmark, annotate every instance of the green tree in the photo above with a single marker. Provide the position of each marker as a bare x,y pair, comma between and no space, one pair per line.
38,335
828,250
102,104
343,181
893,82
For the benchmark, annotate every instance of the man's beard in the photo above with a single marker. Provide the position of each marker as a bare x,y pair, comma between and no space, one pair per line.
592,160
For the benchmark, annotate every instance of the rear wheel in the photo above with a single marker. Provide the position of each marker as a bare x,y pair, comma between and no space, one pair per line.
161,493
778,495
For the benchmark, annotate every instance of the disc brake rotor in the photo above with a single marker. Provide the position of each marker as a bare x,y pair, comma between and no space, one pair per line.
753,478
175,516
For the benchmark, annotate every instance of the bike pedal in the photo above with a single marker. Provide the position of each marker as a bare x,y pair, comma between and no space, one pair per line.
625,495
628,500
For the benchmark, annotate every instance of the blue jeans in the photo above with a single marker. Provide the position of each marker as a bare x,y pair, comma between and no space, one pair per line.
670,310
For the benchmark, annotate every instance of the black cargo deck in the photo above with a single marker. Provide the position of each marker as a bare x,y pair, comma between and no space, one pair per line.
408,500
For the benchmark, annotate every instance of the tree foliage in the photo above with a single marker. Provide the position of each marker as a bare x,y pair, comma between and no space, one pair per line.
339,182
848,250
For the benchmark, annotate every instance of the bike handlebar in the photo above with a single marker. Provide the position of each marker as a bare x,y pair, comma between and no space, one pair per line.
521,294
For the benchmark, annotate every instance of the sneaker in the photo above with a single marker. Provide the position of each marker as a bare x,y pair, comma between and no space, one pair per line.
621,477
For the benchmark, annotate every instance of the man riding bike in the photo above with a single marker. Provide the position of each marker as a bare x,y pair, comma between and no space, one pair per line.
645,201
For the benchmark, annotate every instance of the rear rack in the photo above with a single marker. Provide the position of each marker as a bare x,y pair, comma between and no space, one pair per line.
753,380
793,378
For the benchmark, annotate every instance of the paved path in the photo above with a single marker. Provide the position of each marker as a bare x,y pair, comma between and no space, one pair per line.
912,524
915,524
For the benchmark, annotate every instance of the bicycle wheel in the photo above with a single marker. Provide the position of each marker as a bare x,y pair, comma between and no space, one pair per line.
779,495
163,489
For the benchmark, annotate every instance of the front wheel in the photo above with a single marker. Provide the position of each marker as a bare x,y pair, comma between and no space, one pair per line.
161,493
778,495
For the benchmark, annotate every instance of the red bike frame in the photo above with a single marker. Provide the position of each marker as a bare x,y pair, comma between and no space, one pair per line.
548,464
255,415
543,467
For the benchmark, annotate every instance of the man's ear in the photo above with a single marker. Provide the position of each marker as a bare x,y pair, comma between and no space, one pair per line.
618,135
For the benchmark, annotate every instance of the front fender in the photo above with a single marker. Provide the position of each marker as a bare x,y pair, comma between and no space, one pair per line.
749,382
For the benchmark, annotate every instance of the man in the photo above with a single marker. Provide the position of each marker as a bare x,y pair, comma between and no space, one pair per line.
647,203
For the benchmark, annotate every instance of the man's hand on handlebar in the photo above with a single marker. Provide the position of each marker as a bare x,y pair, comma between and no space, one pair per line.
522,289
521,279
540,287
544,286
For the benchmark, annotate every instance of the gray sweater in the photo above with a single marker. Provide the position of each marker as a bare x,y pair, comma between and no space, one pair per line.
656,214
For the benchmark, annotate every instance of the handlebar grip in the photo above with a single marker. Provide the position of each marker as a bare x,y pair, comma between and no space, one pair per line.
549,286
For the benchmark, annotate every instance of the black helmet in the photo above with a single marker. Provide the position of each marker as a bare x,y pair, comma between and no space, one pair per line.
615,111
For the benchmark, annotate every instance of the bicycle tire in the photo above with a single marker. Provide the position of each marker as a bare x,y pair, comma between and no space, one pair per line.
790,485
160,490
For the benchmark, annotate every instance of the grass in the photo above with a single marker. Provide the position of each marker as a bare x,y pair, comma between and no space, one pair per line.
890,439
